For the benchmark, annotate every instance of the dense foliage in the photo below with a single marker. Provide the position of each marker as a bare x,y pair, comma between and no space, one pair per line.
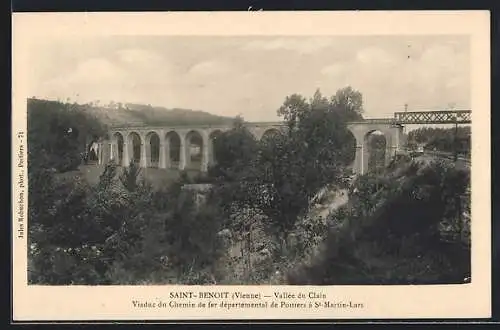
58,133
408,228
116,233
234,151
257,221
441,139
283,172
408,223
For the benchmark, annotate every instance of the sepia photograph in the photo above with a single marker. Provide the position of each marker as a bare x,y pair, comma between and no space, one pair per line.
248,160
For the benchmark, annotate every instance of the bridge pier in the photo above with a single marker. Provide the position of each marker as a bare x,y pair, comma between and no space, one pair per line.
143,159
358,160
162,162
211,153
205,152
182,153
104,152
125,160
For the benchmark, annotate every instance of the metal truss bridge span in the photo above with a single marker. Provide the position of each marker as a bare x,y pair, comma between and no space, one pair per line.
433,117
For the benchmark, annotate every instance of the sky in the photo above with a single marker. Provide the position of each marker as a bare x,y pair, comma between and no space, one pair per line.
251,76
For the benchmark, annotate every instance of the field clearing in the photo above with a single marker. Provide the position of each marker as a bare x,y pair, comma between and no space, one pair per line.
157,177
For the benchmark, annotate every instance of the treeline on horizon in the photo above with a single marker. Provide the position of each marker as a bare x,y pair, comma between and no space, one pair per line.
131,114
408,223
442,139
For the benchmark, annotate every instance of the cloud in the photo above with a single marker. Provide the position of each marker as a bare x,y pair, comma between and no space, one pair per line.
91,71
138,56
95,78
438,54
301,45
333,69
207,68
374,55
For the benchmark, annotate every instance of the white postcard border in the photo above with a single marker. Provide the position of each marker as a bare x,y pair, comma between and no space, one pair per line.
115,302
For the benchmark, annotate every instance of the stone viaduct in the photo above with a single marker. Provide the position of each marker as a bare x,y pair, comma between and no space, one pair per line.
178,147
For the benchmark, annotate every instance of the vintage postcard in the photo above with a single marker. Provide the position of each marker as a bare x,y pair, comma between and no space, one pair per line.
251,166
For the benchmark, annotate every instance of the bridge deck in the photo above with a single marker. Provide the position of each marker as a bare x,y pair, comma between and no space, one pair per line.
187,126
400,118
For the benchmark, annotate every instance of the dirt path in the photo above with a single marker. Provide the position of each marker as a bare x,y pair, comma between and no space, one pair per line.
334,200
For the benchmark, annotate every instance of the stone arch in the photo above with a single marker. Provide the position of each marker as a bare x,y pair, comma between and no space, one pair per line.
194,149
135,145
172,149
375,156
212,137
93,148
117,145
152,149
270,133
394,138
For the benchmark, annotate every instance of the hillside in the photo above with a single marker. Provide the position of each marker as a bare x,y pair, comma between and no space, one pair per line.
129,114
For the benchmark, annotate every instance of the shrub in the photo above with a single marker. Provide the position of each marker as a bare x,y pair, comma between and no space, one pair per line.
130,176
393,233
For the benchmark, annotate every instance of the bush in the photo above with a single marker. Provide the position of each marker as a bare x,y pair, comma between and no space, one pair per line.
58,133
123,232
393,233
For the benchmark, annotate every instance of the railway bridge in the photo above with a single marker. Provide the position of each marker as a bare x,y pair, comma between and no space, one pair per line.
184,146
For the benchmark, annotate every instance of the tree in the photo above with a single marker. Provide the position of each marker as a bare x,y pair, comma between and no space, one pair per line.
350,101
293,109
442,139
130,176
234,150
290,168
59,132
374,246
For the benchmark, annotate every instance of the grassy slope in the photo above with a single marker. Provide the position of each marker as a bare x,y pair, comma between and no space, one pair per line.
157,177
139,114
